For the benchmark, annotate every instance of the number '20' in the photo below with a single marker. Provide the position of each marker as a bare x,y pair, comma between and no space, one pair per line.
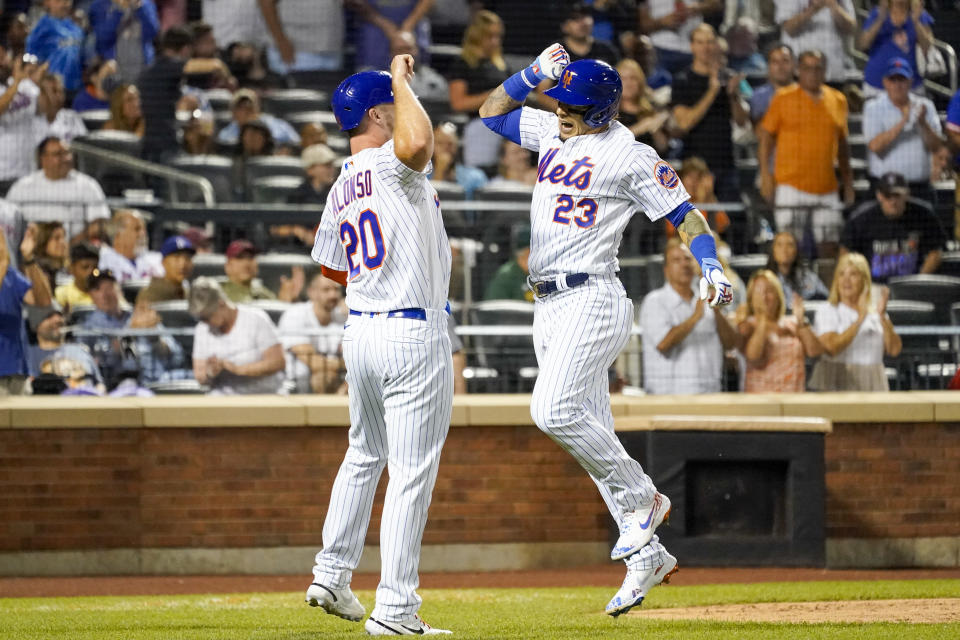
367,237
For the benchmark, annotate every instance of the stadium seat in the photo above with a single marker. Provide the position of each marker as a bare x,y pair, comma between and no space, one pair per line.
208,264
217,169
906,313
177,387
323,118
273,308
281,102
504,193
112,178
264,166
274,265
95,118
326,81
339,144
942,291
274,189
745,265
506,354
219,99
174,315
950,266
79,313
131,288
119,141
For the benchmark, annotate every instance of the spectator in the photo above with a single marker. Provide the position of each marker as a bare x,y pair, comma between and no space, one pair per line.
51,252
795,277
318,161
11,222
781,68
83,262
58,40
18,107
446,164
510,280
246,65
578,40
148,358
245,107
52,354
427,83
775,345
159,86
614,22
307,34
127,256
705,101
198,134
173,13
52,118
235,21
807,123
820,25
698,179
242,286
893,29
902,132
953,142
95,94
124,31
744,56
515,166
899,235
479,69
94,233
854,337
671,24
254,141
177,255
384,21
683,343
125,111
647,123
17,29
199,238
16,290
658,79
57,191
236,349
312,133
313,361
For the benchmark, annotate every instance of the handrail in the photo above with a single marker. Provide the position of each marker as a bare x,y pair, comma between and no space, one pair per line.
173,176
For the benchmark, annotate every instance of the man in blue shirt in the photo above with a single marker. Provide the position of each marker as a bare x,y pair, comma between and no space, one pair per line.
781,67
57,39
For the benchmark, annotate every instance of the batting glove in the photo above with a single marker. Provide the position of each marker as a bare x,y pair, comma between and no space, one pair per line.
550,63
713,277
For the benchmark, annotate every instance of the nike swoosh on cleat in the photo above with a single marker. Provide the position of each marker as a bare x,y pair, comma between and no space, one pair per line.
332,594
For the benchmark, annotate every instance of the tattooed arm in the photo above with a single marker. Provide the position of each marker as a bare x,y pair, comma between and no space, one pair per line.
692,225
498,103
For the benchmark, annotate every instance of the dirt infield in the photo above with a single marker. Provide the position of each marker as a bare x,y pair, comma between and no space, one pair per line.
931,610
602,575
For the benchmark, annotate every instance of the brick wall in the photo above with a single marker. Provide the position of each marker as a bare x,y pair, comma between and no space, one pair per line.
240,487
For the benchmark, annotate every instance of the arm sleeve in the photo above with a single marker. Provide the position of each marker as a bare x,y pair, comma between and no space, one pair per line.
535,125
327,249
506,125
651,183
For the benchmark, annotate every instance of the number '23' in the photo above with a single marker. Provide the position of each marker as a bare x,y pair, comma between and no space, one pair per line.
366,236
566,204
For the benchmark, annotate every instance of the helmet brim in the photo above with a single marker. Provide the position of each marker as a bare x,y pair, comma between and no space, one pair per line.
566,96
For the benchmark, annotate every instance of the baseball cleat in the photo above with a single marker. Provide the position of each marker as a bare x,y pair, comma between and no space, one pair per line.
639,582
638,527
414,626
338,602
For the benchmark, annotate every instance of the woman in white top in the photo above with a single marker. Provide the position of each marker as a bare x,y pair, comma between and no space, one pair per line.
854,337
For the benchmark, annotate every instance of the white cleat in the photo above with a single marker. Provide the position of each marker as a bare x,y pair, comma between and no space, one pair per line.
414,626
338,602
639,526
639,582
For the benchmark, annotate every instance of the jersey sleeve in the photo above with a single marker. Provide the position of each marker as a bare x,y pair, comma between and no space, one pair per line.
388,164
651,182
327,249
535,125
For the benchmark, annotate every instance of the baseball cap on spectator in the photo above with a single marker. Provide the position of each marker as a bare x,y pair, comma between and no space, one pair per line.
84,251
893,183
199,238
176,244
317,154
899,67
38,314
98,276
244,94
239,247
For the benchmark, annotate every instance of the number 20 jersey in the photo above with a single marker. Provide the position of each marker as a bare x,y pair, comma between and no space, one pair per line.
588,187
382,224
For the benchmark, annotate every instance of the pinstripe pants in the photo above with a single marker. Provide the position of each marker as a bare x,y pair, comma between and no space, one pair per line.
578,333
400,377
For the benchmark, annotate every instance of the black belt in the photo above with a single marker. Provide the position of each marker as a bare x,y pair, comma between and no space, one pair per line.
414,313
543,288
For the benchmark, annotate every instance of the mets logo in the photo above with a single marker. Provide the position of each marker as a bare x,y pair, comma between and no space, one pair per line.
666,175
566,79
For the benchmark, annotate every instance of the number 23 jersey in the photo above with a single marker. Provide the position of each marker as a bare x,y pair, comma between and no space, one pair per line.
382,225
588,187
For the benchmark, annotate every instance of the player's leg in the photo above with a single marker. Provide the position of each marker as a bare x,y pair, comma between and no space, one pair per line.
351,500
418,400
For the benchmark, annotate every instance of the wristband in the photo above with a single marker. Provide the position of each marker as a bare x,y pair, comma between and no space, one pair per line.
521,83
704,249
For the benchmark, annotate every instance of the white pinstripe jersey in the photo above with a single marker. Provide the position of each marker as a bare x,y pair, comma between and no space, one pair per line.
382,225
588,187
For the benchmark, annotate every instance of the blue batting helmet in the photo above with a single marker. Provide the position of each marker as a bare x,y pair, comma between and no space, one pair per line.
358,93
590,83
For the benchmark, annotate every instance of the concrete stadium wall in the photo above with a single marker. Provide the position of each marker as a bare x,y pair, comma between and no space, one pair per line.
225,485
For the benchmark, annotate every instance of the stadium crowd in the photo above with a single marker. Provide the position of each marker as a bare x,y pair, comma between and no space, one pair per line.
803,128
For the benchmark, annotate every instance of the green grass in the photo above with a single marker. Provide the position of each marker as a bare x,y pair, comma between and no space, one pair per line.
523,614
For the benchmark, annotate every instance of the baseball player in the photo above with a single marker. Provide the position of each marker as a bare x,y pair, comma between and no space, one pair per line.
592,177
381,235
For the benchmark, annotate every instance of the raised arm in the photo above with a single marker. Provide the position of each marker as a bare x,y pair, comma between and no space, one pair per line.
412,133
511,94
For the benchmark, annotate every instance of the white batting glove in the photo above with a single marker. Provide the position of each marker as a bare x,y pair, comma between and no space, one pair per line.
713,277
551,62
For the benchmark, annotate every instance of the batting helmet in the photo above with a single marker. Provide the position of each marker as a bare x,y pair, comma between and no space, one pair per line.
590,83
358,93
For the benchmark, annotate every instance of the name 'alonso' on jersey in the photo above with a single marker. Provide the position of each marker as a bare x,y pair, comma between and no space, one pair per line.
382,225
588,187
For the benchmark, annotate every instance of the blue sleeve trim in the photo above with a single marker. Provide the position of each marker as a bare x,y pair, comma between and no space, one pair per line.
506,125
676,216
704,249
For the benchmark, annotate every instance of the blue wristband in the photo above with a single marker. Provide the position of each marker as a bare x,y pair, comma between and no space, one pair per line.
521,83
704,249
